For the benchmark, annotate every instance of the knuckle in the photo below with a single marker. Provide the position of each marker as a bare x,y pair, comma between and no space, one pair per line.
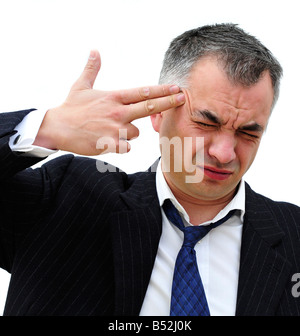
172,100
113,96
144,93
114,110
90,66
119,96
116,114
149,106
123,147
135,132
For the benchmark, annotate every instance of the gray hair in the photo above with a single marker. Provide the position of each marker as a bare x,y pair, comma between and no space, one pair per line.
243,56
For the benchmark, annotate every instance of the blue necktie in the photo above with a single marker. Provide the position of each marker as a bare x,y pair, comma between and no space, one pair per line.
188,296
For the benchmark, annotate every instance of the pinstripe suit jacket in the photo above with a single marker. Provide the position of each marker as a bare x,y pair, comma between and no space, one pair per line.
80,242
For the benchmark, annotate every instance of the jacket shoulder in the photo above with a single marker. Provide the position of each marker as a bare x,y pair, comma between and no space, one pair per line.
253,196
285,214
110,183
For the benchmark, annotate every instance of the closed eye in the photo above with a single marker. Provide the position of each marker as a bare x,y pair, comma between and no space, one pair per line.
249,134
206,125
211,126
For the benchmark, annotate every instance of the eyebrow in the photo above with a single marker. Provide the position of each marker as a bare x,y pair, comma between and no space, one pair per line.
254,127
210,116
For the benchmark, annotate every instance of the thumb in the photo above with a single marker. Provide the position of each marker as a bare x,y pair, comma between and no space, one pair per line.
90,72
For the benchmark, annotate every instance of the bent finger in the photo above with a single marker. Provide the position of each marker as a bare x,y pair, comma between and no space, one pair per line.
123,147
129,133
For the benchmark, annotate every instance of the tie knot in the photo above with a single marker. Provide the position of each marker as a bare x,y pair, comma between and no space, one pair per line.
192,234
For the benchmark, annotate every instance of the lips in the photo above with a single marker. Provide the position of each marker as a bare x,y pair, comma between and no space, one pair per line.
216,174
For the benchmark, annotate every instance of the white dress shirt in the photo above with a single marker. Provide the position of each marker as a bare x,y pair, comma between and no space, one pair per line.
218,253
218,257
27,130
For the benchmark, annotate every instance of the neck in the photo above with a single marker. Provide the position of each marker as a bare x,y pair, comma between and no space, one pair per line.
200,210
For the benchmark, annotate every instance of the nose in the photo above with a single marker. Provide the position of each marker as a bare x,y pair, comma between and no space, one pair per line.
222,147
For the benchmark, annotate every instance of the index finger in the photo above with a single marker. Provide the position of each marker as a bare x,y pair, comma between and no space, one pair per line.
136,95
153,106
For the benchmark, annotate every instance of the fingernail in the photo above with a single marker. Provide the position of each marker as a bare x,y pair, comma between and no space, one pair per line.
174,89
92,56
180,98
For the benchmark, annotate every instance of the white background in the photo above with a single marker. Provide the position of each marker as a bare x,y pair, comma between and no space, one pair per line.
45,45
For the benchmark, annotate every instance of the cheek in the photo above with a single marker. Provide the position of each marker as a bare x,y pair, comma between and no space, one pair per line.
246,155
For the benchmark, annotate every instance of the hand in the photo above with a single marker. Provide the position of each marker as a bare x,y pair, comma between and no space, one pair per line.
89,115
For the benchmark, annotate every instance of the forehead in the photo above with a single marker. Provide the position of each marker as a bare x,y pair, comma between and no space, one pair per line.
210,89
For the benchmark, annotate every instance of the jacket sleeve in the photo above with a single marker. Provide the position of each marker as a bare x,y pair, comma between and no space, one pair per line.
11,162
26,194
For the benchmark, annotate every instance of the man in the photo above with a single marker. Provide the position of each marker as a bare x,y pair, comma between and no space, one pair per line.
78,241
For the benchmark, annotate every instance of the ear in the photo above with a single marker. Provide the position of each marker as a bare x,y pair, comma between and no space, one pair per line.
156,120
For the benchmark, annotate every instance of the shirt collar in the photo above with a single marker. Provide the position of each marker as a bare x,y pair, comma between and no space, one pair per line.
164,192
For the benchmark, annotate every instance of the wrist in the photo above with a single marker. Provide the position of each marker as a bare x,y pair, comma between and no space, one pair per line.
47,136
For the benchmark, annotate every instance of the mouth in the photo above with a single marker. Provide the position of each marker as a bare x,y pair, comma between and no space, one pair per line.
216,174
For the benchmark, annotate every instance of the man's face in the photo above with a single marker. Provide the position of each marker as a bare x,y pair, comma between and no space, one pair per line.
230,118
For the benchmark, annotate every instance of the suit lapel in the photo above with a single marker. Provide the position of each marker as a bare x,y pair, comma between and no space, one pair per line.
263,271
136,234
